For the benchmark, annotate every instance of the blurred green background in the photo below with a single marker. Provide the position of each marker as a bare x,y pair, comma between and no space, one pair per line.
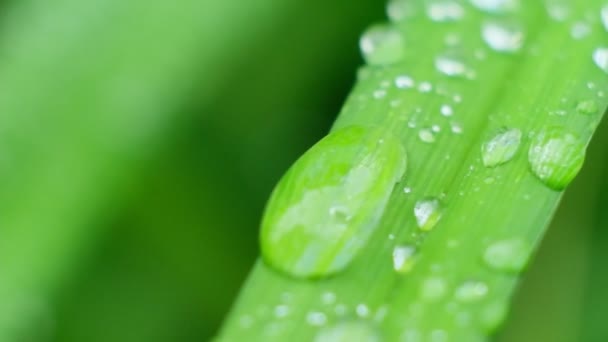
140,139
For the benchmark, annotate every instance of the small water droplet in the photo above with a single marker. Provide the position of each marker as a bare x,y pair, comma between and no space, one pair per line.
471,291
456,128
452,64
558,10
340,213
502,36
379,94
427,212
281,311
382,45
328,298
446,110
587,107
501,148
318,219
433,288
362,310
507,255
556,157
363,73
316,318
600,58
425,87
403,258
407,190
444,10
404,82
381,313
340,309
426,135
559,112
580,30
395,103
496,6
438,335
353,331
411,335
436,128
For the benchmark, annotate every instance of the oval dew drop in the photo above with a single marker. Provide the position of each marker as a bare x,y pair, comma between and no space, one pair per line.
330,201
501,148
556,157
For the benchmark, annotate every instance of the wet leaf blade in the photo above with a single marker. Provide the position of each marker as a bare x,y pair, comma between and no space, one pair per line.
536,90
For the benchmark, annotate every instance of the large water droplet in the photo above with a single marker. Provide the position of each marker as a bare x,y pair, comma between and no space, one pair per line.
382,45
556,157
604,16
427,212
444,10
587,107
355,331
507,255
327,205
403,258
600,58
501,148
496,6
471,291
502,36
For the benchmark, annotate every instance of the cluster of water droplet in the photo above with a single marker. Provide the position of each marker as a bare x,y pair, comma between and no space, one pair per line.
334,320
321,245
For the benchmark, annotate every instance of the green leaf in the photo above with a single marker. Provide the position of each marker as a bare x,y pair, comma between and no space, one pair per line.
464,74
